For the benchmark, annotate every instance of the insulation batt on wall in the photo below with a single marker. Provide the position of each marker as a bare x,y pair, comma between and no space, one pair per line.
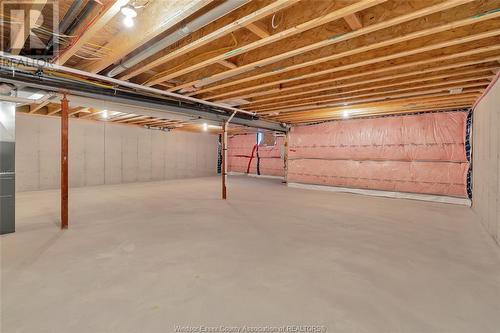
413,153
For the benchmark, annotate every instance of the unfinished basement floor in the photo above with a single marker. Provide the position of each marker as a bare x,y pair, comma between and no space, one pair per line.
150,256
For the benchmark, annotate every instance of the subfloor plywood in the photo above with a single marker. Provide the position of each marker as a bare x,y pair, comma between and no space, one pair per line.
146,257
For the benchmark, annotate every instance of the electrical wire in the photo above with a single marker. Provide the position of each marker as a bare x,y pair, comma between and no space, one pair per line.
272,20
87,58
77,78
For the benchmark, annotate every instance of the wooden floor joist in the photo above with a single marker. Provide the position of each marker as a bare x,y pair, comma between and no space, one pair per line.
53,110
353,21
268,10
478,75
292,61
258,30
152,24
273,82
335,15
388,71
314,46
283,96
367,109
386,95
111,9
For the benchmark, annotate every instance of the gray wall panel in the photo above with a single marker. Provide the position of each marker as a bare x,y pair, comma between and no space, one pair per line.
27,154
130,161
76,154
486,162
50,152
158,155
108,153
113,154
94,152
144,154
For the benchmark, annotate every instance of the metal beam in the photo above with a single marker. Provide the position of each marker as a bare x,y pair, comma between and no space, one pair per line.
147,103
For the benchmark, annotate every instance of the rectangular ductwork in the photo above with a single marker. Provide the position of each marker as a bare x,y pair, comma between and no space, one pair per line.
7,167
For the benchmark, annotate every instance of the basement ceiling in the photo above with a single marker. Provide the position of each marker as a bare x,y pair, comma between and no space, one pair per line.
295,61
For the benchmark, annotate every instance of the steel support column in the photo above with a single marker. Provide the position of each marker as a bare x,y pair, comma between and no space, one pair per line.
64,162
224,160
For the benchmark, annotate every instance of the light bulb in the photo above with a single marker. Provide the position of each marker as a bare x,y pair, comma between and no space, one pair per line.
128,22
128,11
205,127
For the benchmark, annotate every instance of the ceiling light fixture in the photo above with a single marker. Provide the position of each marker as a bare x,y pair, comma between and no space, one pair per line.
128,22
105,114
129,12
346,114
205,127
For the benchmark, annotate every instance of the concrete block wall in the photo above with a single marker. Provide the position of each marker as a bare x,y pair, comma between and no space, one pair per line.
486,161
106,153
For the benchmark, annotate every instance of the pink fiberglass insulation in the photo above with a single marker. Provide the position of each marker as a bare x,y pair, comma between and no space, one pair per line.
424,137
417,153
444,178
269,157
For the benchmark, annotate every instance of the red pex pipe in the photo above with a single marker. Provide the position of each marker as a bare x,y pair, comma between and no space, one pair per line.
251,158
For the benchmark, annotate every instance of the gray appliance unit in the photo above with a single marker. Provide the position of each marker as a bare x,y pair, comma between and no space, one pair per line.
7,167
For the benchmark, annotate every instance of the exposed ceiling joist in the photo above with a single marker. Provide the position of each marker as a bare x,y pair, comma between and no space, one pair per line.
388,71
255,16
353,21
258,30
327,84
483,72
313,23
374,60
78,110
226,64
156,18
280,60
105,16
35,107
53,110
384,95
308,48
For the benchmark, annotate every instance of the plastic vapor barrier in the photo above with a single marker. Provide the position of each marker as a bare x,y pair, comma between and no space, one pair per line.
266,160
422,153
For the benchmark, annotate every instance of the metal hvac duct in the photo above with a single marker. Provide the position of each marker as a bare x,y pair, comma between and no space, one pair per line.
66,22
177,35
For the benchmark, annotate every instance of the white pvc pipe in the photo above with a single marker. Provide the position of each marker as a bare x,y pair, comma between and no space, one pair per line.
226,123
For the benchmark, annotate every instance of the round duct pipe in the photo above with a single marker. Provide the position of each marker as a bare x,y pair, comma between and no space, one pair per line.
177,35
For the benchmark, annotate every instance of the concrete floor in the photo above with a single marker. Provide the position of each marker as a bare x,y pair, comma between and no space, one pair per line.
147,257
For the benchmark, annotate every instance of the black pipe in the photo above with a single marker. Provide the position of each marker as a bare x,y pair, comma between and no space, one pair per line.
69,17
54,83
82,16
65,23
